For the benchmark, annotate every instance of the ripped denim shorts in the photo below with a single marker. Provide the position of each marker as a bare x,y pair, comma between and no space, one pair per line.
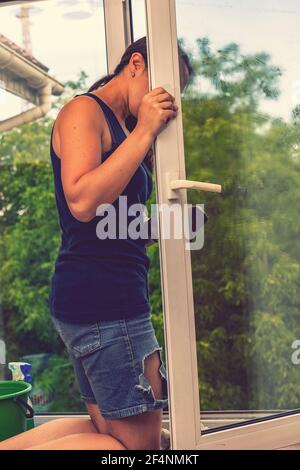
108,359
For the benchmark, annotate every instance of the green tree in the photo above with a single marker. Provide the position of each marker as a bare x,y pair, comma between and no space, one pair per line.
30,237
246,278
252,233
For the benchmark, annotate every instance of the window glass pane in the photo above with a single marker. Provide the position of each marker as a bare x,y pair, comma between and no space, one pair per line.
241,130
65,40
138,18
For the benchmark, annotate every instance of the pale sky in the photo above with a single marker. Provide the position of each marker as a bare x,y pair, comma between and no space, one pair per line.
68,35
256,25
64,44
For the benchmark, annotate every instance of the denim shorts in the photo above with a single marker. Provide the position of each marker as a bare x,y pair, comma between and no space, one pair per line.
108,359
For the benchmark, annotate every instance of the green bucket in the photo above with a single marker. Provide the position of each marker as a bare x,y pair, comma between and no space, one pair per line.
14,409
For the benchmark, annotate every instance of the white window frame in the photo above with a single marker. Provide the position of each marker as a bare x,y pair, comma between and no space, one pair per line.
176,272
118,30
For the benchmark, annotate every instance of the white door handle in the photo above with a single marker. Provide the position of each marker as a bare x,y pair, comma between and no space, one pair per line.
175,184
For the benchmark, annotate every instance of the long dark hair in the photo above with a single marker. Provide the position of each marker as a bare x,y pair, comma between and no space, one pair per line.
141,46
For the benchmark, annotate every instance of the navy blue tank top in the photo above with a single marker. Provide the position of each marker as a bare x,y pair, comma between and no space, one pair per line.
94,278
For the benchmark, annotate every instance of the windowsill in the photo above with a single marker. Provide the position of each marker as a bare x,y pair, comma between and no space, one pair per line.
210,419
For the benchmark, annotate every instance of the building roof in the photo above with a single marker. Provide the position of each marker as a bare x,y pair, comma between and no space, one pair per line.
20,50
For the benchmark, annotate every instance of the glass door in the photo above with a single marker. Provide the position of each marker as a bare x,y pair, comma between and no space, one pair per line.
241,128
231,305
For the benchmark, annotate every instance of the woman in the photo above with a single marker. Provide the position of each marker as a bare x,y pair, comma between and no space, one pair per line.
99,291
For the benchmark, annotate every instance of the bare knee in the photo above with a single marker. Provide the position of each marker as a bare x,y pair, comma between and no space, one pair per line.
145,446
138,432
136,443
144,443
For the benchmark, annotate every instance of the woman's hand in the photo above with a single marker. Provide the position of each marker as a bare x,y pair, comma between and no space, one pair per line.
156,110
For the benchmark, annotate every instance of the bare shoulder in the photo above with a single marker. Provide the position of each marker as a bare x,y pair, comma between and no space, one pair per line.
81,111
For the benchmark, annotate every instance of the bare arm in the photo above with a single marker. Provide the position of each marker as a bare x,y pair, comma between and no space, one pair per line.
86,181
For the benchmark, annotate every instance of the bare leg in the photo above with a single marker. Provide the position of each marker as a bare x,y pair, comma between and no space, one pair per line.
82,442
49,431
142,431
